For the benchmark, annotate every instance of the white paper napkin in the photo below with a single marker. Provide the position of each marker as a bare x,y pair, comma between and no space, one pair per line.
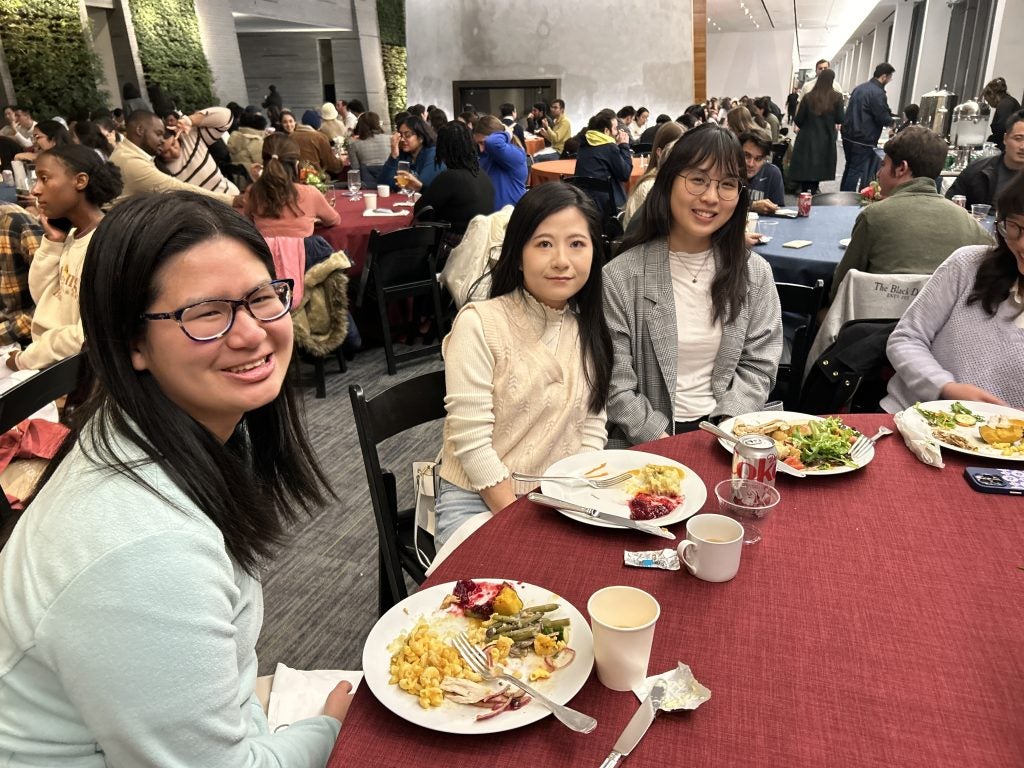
298,694
918,438
385,212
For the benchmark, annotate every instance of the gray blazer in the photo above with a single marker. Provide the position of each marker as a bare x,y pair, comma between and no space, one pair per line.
641,315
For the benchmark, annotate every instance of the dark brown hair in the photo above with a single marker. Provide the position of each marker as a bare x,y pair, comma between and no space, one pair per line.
274,190
998,271
823,97
922,149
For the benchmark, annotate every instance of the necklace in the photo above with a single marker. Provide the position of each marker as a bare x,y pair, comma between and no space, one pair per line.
690,273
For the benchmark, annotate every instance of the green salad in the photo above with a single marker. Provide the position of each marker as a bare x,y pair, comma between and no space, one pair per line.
958,415
824,444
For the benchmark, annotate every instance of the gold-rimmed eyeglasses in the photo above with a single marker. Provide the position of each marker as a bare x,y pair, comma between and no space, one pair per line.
211,319
697,183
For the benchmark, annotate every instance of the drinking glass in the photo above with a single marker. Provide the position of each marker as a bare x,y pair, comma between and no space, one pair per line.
402,175
746,501
355,183
980,211
766,228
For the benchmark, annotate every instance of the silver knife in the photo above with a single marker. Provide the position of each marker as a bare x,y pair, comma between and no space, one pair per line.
637,726
623,522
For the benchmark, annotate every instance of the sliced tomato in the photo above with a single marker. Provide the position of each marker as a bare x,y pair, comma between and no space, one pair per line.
794,462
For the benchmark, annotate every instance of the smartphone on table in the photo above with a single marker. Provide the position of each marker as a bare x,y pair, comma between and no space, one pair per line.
996,480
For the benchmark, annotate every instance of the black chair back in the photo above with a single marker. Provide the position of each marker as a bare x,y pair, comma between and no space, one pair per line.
401,264
24,399
836,198
643,148
800,306
413,402
369,174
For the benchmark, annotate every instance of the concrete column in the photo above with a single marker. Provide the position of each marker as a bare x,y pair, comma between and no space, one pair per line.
1004,59
220,44
898,54
365,13
933,47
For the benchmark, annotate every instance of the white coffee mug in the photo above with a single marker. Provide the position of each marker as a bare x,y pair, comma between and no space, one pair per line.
383,190
369,201
712,548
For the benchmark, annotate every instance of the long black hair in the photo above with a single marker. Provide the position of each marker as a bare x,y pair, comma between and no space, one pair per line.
419,126
707,143
455,148
998,271
253,484
531,210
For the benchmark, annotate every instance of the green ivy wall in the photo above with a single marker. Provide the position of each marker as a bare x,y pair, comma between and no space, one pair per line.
52,64
391,22
171,51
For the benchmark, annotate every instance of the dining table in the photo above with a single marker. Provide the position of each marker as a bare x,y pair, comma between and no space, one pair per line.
825,227
534,144
877,623
352,233
554,170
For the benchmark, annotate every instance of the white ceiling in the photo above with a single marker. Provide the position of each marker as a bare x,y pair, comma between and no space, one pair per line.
822,26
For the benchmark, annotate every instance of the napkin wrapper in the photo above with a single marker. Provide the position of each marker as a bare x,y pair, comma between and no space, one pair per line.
682,691
918,439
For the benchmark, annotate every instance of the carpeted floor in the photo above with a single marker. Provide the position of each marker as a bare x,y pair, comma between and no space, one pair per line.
320,593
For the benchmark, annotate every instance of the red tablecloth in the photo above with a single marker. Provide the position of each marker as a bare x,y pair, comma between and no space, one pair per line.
352,234
554,170
878,623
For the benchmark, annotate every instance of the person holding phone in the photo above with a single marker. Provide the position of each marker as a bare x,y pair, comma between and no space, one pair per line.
72,184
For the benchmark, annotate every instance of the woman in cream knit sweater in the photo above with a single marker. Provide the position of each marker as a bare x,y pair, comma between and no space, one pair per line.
527,371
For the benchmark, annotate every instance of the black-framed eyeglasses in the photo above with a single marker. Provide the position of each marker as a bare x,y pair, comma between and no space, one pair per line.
1010,230
211,319
697,183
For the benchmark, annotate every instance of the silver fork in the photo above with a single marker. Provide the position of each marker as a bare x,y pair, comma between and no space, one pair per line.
860,446
604,482
476,660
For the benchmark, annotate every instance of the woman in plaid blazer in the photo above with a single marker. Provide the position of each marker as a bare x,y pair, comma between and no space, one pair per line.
694,315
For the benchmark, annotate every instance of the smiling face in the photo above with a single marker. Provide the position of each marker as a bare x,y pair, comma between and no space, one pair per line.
558,257
57,189
696,217
288,123
215,382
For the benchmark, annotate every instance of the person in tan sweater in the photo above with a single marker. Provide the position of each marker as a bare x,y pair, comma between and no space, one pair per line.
527,371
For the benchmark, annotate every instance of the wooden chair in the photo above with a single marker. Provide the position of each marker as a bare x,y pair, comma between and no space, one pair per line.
24,399
836,198
416,401
804,301
403,264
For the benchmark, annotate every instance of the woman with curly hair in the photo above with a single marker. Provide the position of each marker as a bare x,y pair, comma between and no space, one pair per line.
961,338
462,190
72,185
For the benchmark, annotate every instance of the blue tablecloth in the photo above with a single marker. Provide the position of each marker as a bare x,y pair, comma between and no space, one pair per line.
825,227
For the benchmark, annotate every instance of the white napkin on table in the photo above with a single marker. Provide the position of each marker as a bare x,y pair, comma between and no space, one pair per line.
385,212
298,693
918,438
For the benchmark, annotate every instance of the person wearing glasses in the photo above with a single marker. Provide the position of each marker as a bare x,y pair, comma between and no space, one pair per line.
131,601
413,142
961,338
694,315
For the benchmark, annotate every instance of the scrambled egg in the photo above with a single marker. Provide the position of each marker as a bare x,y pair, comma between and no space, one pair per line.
422,661
656,479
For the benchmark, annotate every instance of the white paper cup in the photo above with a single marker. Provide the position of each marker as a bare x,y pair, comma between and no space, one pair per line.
712,547
369,201
383,190
623,620
752,222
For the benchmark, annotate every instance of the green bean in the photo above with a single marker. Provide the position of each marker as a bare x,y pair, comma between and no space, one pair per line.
546,608
524,633
547,624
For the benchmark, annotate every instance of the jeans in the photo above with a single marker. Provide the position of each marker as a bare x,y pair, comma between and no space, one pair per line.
861,166
454,506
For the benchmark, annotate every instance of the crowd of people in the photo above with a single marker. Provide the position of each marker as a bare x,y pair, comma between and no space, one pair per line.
170,248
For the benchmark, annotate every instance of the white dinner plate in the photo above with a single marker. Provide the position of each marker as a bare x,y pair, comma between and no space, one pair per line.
763,417
970,433
461,718
844,242
615,501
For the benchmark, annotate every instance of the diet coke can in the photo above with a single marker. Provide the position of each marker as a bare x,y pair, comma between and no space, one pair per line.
754,458
960,200
804,204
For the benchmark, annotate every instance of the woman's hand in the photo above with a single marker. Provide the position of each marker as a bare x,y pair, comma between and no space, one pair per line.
957,391
51,232
752,239
396,137
338,701
411,182
12,361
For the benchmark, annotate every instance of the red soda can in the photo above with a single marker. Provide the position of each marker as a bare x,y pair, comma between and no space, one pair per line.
754,458
960,200
804,204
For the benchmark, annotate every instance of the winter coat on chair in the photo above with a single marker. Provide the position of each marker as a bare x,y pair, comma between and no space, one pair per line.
321,319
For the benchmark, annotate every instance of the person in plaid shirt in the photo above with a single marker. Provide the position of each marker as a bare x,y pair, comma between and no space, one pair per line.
19,237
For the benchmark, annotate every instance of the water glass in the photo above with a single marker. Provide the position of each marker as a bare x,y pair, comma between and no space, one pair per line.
355,183
979,211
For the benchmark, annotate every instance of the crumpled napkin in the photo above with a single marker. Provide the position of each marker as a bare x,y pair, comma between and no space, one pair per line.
298,693
385,212
918,438
682,690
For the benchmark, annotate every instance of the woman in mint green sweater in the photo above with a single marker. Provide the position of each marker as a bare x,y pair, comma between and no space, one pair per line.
130,602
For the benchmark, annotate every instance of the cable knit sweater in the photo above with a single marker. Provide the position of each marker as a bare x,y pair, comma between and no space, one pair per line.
940,339
513,402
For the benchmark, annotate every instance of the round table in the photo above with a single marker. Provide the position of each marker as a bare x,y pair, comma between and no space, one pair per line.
534,145
554,170
877,623
352,233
